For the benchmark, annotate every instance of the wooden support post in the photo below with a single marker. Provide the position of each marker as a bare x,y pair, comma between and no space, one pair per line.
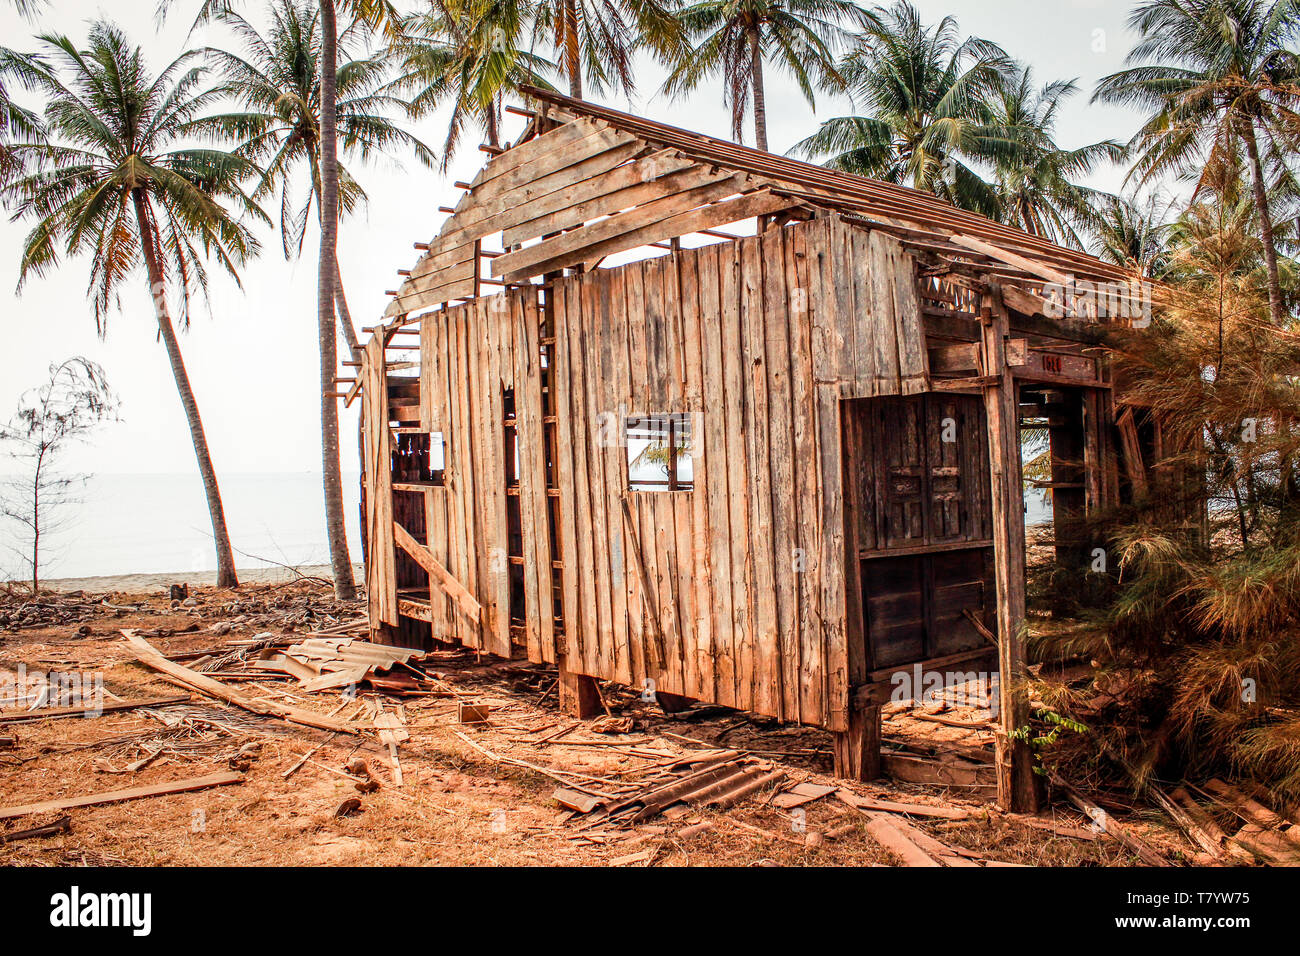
579,695
857,750
1018,788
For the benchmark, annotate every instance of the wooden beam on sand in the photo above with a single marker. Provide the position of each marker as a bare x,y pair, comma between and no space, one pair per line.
131,793
201,683
51,713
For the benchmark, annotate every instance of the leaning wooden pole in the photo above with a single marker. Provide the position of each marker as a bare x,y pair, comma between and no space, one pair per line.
1018,787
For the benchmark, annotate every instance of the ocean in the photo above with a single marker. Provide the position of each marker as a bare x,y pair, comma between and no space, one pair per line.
152,523
147,524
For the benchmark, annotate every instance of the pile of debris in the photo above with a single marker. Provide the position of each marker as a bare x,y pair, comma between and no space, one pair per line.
324,663
19,613
715,779
1232,826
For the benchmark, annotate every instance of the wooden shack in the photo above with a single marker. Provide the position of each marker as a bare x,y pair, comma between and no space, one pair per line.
771,466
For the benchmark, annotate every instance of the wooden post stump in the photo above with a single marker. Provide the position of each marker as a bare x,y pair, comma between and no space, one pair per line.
857,750
579,695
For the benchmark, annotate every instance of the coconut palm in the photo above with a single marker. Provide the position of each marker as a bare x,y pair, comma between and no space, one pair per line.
373,14
925,92
1133,234
276,81
466,53
1035,178
735,37
1213,73
15,121
116,182
594,41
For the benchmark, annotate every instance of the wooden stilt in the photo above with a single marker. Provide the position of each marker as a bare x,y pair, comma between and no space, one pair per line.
579,696
1018,787
857,750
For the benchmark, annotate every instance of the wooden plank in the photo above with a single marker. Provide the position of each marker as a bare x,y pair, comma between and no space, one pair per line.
809,485
584,617
188,785
439,574
1032,266
734,645
629,663
908,328
710,216
906,809
457,287
381,570
884,326
53,713
575,243
779,662
1131,446
539,146
888,835
605,522
1017,786
426,273
697,572
179,673
641,181
479,219
715,524
497,371
534,507
531,219
565,470
756,688
600,139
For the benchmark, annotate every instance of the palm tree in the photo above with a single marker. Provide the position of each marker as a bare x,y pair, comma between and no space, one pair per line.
926,92
736,36
1034,176
466,53
372,14
1214,73
597,39
15,121
115,182
277,83
1133,235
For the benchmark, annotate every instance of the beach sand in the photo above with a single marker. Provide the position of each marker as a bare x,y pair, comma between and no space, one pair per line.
151,583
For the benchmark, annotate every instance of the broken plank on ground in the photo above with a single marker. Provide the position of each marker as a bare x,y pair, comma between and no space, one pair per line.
50,713
147,654
118,796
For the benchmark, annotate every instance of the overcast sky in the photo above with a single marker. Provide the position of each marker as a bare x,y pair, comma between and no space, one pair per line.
253,359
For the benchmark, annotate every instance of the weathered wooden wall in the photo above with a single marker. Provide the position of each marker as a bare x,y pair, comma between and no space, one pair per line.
732,591
741,578
381,570
471,356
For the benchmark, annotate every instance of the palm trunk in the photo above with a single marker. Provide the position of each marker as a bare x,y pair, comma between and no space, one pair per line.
493,134
345,315
572,60
760,100
1265,224
340,300
335,527
226,577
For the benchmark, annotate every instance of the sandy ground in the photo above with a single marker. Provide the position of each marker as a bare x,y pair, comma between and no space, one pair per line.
153,583
466,798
